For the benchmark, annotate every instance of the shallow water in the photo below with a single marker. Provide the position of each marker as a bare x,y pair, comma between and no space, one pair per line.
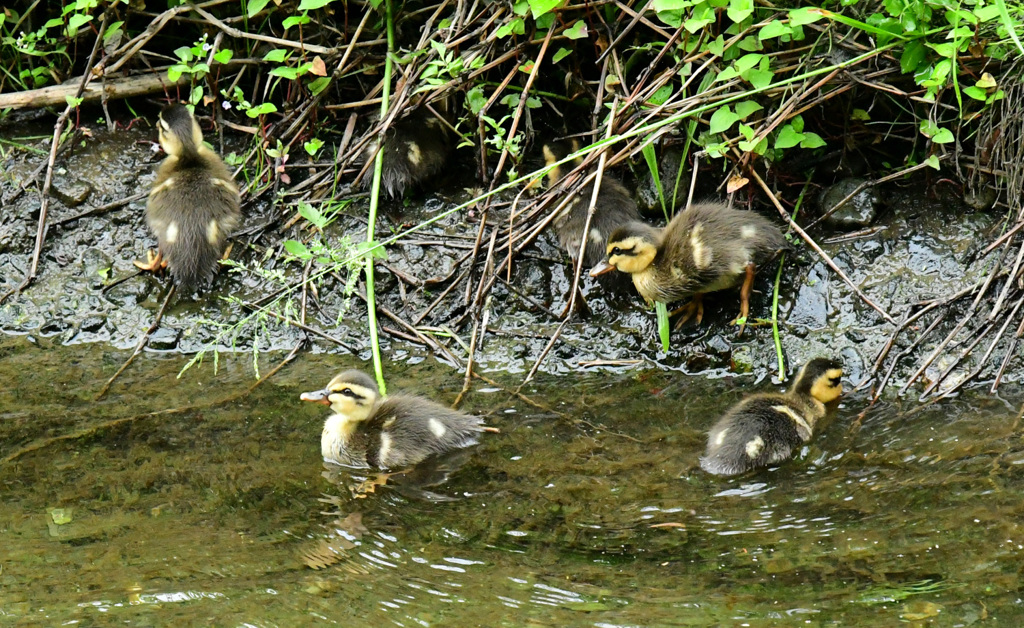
590,511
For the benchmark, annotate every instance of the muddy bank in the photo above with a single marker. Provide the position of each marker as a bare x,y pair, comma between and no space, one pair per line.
919,247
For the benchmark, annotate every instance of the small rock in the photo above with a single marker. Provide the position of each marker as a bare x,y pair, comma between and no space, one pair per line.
95,261
130,292
164,339
70,191
982,198
856,213
93,324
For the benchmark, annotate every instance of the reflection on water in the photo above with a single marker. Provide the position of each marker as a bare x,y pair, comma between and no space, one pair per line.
591,511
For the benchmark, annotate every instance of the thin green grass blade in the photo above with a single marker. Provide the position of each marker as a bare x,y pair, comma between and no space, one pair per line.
663,330
652,164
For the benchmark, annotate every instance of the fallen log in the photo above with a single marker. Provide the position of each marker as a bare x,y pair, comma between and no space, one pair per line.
115,88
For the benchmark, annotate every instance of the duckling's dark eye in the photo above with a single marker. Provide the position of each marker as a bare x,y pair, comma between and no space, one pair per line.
616,251
835,381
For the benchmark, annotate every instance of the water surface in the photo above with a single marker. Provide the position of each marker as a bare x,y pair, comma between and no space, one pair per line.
587,511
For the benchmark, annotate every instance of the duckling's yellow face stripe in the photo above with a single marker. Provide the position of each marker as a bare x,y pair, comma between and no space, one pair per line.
351,400
631,255
828,386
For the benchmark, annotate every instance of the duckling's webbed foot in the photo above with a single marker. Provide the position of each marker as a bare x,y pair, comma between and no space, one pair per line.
748,287
153,263
695,306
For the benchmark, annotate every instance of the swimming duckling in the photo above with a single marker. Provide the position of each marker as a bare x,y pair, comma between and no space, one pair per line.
765,429
367,431
615,207
194,203
415,149
705,248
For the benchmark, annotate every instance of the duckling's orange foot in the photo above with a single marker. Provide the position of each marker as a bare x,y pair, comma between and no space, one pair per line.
153,263
748,286
369,485
695,306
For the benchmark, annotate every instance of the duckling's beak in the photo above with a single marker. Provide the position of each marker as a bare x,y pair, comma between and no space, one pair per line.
317,396
602,267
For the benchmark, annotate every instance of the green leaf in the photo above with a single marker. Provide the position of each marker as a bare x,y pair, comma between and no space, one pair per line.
77,21
267,107
295,20
313,147
727,74
516,26
788,137
174,72
722,119
914,54
312,214
776,28
223,56
1008,23
184,53
747,107
310,5
255,6
72,101
663,329
740,10
371,249
760,78
318,84
717,46
298,249
758,148
976,93
577,31
932,161
560,54
748,61
112,31
659,97
812,140
277,56
861,115
986,13
540,7
804,15
476,100
944,136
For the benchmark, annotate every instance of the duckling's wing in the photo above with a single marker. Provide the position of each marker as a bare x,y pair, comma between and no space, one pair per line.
413,429
192,211
758,432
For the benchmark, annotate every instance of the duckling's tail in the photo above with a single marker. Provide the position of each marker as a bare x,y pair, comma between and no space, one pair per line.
193,257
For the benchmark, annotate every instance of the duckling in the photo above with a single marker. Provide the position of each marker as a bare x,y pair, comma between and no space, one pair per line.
615,207
765,429
415,149
368,431
705,248
194,203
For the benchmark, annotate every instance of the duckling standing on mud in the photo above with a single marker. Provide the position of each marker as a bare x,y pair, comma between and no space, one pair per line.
193,206
765,429
705,248
368,431
415,149
615,207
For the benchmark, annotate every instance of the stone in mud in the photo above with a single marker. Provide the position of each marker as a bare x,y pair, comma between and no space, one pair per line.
164,339
856,213
70,190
